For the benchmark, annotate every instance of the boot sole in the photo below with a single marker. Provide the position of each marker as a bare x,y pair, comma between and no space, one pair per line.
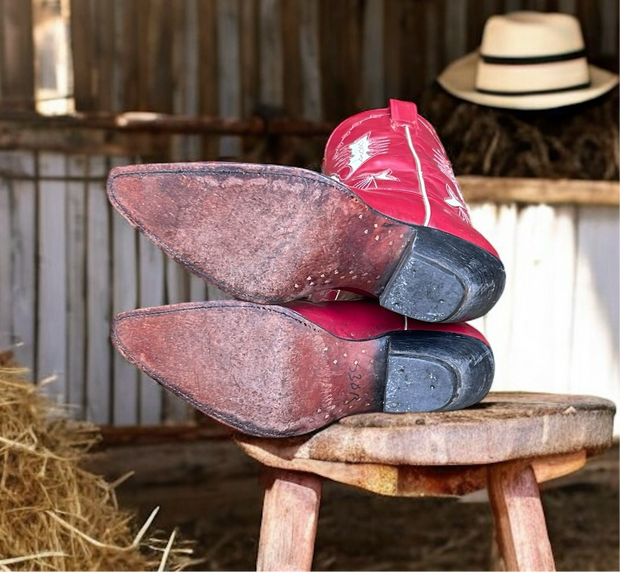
268,371
271,234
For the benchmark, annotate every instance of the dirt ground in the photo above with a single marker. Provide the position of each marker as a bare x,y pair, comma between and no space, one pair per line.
212,493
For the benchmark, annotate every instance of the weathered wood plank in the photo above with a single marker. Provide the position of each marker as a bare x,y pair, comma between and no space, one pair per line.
292,85
77,166
608,37
229,71
81,25
157,56
98,296
51,281
151,293
103,42
125,280
538,191
455,24
271,90
17,51
185,76
497,323
542,316
175,409
373,45
594,350
6,265
132,80
23,255
310,61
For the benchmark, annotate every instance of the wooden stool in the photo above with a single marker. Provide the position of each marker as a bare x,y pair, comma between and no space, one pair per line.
509,443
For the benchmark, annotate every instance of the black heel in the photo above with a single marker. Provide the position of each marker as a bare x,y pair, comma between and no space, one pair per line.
442,278
436,371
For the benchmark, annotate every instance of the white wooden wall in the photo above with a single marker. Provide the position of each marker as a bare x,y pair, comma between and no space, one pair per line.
69,262
556,326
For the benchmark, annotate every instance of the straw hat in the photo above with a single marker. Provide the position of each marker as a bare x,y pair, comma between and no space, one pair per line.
528,60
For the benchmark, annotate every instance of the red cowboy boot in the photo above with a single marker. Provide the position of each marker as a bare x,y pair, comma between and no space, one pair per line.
279,371
389,222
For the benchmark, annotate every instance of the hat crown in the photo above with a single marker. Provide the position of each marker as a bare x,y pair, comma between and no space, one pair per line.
531,34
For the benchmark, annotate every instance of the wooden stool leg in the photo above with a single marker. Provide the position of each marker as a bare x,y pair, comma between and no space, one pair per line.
520,526
290,515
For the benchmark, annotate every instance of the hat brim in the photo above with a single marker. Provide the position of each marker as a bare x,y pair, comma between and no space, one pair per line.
459,80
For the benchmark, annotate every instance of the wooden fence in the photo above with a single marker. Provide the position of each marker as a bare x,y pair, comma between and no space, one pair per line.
226,79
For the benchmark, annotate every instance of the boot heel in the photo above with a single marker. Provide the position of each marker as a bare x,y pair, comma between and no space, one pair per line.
442,278
436,371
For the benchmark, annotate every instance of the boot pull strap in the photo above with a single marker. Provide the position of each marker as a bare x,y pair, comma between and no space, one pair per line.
403,112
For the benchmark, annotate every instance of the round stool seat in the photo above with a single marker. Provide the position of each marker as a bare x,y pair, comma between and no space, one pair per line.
508,444
504,426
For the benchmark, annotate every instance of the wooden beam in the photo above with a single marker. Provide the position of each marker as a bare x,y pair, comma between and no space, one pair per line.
538,191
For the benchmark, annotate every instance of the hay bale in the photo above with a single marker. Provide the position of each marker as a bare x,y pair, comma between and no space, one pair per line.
574,142
54,515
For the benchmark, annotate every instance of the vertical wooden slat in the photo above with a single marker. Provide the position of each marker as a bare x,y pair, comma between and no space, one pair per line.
513,5
455,23
104,62
341,60
542,318
77,166
81,26
175,409
271,56
309,53
567,6
151,280
125,297
157,57
17,63
229,71
412,69
608,38
435,44
51,283
249,56
207,57
6,266
117,95
132,76
141,23
98,296
185,76
199,291
23,256
291,56
373,44
594,355
590,27
391,53
497,324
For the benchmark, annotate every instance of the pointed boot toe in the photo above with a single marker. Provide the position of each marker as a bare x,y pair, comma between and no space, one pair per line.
279,371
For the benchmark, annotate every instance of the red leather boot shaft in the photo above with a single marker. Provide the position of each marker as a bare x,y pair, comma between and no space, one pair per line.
395,161
365,319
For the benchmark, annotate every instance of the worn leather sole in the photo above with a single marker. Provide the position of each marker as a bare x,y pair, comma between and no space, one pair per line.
269,371
272,234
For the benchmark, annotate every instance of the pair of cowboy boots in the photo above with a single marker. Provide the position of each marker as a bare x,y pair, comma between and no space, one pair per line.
352,287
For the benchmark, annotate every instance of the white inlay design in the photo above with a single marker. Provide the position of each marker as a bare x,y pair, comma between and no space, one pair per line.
370,179
457,202
360,151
